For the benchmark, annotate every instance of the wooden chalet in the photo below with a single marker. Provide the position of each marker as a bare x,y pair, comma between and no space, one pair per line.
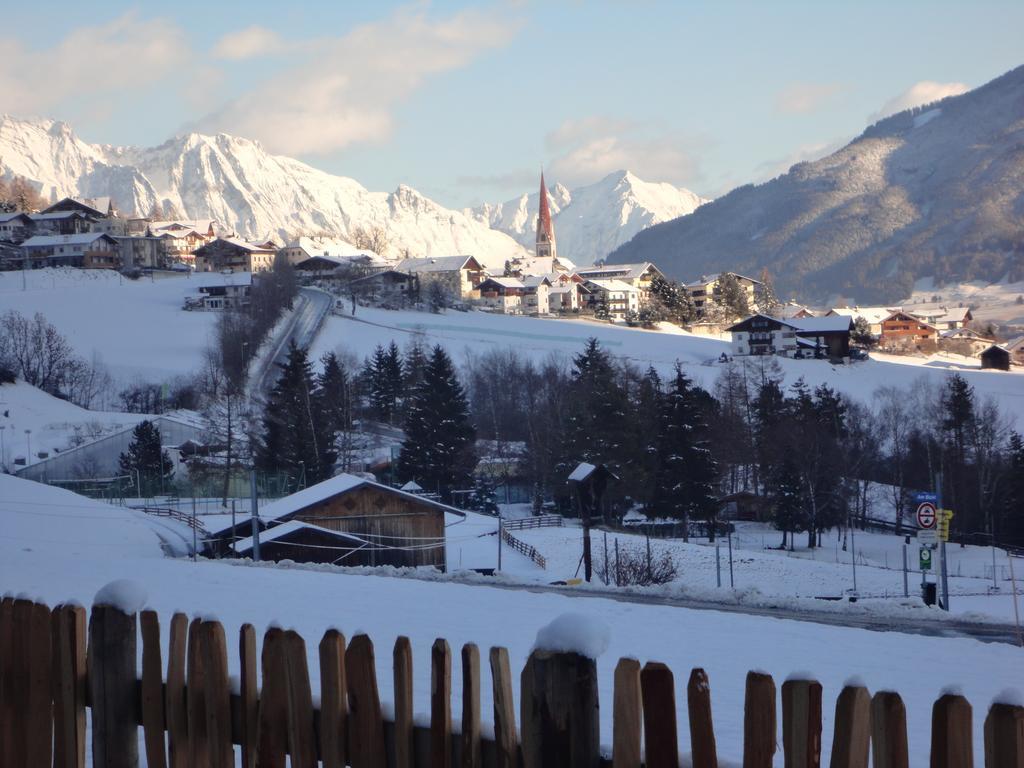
996,358
347,520
229,253
904,329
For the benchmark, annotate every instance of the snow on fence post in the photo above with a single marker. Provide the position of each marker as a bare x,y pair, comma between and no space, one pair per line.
248,720
889,731
440,704
195,700
704,752
505,743
366,726
470,706
113,676
1004,736
175,708
152,703
759,721
627,715
661,742
405,750
852,735
801,723
333,703
68,685
951,732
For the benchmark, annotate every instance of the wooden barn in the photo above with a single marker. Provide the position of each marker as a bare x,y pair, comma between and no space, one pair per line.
996,357
347,520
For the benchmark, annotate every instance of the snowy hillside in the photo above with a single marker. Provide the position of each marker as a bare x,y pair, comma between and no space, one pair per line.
236,182
592,221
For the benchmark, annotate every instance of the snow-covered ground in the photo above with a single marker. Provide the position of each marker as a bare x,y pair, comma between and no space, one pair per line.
136,328
95,544
463,333
995,302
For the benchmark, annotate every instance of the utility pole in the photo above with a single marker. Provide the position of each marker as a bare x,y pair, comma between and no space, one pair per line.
906,586
942,544
732,580
194,525
499,539
853,554
255,517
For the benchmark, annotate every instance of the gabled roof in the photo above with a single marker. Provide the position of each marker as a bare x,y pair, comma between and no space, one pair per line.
239,243
612,285
835,323
100,205
57,215
281,530
623,271
708,279
5,217
438,264
83,238
964,333
505,282
871,315
1014,344
532,281
899,313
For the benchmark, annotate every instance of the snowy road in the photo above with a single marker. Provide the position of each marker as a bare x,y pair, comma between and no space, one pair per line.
312,307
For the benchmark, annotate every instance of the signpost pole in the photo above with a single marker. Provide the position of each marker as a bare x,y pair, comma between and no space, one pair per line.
942,546
906,586
732,580
853,554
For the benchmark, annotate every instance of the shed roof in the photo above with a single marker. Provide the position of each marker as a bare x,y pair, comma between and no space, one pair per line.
436,264
83,238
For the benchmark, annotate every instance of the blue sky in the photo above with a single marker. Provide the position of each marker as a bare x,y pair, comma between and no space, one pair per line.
465,101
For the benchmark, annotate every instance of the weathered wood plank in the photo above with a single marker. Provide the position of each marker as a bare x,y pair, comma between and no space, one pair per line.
301,733
559,711
801,723
40,692
366,726
273,708
1004,737
661,741
175,706
759,721
405,754
470,706
852,736
333,701
506,747
7,694
440,704
18,682
69,680
951,733
152,690
112,683
195,700
889,731
217,692
703,750
627,715
248,694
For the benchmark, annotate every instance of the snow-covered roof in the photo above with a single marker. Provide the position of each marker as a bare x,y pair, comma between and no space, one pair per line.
533,281
613,285
963,333
709,279
1015,344
506,282
4,217
244,244
412,486
56,215
291,526
624,271
434,264
871,315
81,239
820,324
582,472
200,225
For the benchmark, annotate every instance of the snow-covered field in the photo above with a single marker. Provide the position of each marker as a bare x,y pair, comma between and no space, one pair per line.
137,328
989,301
96,544
465,333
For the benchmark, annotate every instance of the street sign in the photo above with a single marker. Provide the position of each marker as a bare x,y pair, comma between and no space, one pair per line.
925,558
928,537
945,515
926,514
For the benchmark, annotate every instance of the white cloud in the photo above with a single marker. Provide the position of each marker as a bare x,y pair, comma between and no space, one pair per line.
247,43
587,149
345,88
114,57
924,92
802,98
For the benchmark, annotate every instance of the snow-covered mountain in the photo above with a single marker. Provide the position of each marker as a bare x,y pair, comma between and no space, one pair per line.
236,182
592,221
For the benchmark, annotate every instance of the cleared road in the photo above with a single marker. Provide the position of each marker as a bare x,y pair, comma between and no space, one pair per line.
311,309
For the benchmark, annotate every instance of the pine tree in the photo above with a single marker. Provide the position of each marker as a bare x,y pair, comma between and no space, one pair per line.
788,498
767,300
296,439
334,401
386,383
438,450
601,311
1011,530
730,296
147,460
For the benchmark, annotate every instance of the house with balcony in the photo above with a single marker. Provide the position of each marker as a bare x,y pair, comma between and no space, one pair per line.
458,276
235,255
794,337
502,294
902,331
536,295
706,291
636,276
619,297
89,250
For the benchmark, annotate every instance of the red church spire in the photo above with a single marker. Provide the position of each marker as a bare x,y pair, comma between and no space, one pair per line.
545,229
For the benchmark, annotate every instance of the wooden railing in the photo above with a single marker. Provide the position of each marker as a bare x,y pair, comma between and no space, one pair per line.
176,514
53,666
523,548
525,523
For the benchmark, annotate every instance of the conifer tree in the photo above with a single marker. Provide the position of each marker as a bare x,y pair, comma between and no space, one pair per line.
438,450
767,300
730,296
146,460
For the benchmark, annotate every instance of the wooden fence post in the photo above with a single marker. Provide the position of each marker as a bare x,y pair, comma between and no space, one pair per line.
405,754
852,736
272,744
366,726
559,711
440,705
505,745
195,700
759,721
112,683
152,690
7,694
333,702
470,706
249,695
68,686
889,731
217,691
703,751
174,705
301,734
661,741
1004,737
40,692
951,733
627,715
18,682
801,723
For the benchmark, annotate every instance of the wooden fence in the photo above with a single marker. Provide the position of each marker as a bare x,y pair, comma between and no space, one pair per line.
53,665
523,548
541,521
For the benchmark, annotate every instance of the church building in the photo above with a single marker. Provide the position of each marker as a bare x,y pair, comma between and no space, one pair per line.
545,229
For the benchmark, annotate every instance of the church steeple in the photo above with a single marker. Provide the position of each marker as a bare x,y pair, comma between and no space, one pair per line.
545,229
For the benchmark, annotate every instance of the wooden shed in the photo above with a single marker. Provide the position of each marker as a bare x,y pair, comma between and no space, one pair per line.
375,525
996,357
